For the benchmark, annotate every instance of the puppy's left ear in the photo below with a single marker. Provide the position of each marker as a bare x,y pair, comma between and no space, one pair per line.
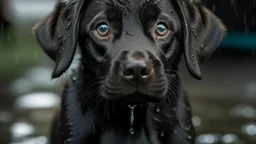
202,33
57,34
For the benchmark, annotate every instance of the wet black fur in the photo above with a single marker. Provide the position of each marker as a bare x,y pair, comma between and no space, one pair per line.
94,104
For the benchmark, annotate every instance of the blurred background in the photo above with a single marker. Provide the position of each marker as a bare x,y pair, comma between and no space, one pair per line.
224,102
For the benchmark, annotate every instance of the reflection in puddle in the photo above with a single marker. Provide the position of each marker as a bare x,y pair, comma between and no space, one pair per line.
243,111
250,130
21,129
230,139
208,139
219,139
37,101
36,140
35,78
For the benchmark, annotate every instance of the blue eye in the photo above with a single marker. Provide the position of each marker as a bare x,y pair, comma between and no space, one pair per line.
161,29
103,30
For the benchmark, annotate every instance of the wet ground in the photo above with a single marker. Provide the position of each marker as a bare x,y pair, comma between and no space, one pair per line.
224,102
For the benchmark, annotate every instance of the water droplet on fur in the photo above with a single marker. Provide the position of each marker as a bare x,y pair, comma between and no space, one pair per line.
188,128
104,60
157,109
162,134
189,137
157,119
129,33
131,131
73,2
74,78
68,26
132,118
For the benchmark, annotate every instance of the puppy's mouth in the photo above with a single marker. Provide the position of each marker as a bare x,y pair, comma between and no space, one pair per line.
137,98
134,95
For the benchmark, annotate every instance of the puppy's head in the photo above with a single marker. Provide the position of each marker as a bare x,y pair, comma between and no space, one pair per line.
134,44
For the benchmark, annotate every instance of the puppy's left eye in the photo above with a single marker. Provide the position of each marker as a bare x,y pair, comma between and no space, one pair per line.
103,30
161,29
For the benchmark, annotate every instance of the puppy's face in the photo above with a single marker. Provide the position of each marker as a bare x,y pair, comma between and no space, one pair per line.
129,44
134,45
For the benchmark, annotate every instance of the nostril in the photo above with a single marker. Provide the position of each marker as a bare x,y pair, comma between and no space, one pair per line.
128,72
145,72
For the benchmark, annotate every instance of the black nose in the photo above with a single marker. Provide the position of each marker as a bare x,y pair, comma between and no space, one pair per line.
137,70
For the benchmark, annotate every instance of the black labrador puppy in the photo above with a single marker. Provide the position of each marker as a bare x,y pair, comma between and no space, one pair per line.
127,90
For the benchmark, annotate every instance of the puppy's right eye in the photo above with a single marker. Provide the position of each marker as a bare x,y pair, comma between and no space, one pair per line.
103,30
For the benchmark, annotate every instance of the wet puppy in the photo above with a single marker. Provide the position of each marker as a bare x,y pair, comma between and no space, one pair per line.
127,90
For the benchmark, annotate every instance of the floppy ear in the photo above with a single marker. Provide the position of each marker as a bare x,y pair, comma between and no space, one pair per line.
202,33
57,34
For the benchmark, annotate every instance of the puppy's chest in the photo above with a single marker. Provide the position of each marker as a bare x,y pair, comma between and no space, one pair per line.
153,130
141,137
116,137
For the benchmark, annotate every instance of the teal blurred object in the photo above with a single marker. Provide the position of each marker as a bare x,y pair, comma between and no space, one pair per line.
240,40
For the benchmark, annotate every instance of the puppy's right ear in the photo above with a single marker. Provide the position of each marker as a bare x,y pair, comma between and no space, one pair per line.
57,34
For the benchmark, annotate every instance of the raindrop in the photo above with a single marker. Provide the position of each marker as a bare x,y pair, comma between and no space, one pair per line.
245,19
17,58
35,55
157,108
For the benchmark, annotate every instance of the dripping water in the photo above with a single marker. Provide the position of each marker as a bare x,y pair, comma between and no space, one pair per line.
132,107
